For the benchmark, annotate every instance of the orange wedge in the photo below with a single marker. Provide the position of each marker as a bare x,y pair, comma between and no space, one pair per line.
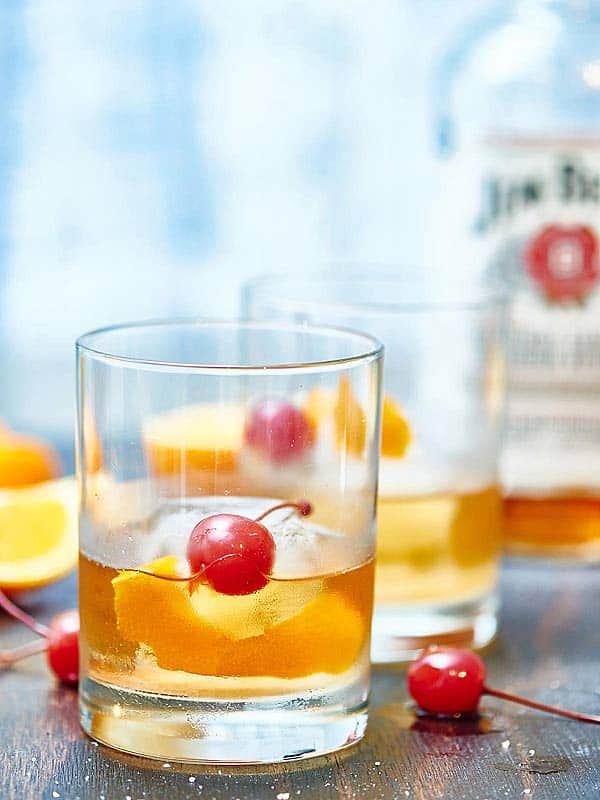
203,437
38,534
350,420
395,430
325,635
25,460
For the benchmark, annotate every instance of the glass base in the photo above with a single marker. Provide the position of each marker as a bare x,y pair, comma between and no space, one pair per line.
400,633
189,730
585,553
564,526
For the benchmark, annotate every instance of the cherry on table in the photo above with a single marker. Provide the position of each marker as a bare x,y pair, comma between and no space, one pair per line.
279,430
450,681
447,681
63,646
60,641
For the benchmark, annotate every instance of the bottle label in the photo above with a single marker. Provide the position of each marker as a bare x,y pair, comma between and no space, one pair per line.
532,212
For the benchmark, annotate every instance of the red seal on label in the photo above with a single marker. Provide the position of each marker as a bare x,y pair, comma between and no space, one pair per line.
563,262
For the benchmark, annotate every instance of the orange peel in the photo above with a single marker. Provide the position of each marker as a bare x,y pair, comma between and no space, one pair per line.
319,405
92,447
350,420
326,635
396,435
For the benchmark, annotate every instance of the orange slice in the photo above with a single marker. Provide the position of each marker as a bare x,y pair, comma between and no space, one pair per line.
350,420
325,635
395,430
38,534
201,437
25,460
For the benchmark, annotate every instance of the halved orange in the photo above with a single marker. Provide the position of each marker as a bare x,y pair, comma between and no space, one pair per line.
38,534
395,430
25,460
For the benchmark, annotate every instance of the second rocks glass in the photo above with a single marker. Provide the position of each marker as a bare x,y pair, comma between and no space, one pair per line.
439,511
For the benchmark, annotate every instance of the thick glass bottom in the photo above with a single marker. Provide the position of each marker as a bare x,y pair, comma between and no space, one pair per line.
400,633
584,554
267,730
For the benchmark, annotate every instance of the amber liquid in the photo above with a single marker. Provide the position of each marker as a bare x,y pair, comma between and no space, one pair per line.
146,634
553,526
438,547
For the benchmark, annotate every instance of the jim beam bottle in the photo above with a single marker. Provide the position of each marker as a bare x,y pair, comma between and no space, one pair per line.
520,200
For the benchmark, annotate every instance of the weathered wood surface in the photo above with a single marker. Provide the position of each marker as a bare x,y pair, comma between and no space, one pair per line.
549,648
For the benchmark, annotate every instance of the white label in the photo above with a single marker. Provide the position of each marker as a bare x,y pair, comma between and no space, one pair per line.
528,210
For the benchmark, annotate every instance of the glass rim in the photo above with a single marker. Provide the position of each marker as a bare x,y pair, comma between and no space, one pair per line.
373,348
447,295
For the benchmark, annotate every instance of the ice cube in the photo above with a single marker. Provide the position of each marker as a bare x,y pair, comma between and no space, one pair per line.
241,617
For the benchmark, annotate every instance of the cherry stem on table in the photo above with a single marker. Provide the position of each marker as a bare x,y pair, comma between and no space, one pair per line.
8,657
22,616
542,706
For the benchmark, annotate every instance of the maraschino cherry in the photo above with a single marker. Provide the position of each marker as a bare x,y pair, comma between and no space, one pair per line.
232,553
63,646
235,554
449,681
279,430
60,641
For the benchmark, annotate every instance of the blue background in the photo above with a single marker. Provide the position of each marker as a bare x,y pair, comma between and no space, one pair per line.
154,155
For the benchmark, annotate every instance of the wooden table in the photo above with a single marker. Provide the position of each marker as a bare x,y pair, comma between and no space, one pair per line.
549,649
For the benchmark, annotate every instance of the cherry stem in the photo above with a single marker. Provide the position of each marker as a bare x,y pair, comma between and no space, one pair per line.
8,657
183,578
22,616
303,507
542,706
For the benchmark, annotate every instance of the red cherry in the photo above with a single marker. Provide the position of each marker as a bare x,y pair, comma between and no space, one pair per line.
63,646
235,553
279,430
447,681
60,641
